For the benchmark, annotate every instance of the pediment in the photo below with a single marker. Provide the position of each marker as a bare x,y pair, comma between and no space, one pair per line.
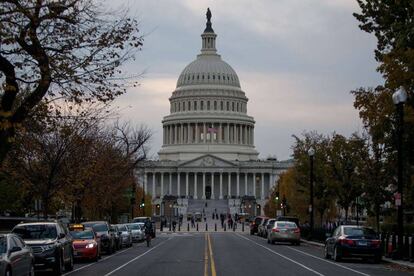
207,160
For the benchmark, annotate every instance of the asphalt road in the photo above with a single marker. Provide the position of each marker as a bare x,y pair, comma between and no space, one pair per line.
225,254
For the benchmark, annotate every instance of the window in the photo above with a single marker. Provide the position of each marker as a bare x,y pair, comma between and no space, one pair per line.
232,106
219,77
208,105
193,77
214,77
208,77
202,105
198,77
183,106
203,77
221,105
179,106
228,106
195,105
175,107
237,107
189,106
215,105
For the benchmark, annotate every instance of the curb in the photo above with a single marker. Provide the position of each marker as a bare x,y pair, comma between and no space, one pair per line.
387,260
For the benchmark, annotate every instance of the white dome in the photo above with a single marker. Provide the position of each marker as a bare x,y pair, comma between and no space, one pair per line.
208,69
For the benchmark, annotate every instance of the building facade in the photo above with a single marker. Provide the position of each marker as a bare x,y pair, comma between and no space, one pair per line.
208,150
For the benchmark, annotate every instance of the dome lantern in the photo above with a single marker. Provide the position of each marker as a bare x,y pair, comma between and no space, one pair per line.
208,37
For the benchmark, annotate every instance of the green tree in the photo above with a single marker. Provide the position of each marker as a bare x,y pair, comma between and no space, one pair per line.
67,50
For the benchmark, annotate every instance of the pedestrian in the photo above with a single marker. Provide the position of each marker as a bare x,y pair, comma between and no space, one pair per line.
213,216
192,222
174,224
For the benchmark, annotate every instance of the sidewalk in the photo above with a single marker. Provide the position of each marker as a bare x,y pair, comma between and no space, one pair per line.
388,260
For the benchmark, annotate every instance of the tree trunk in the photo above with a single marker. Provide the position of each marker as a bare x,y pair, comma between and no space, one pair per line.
346,214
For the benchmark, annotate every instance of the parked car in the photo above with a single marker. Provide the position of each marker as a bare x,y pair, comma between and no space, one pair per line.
353,241
261,227
268,227
51,244
16,258
86,245
105,233
137,231
254,225
125,234
284,231
143,220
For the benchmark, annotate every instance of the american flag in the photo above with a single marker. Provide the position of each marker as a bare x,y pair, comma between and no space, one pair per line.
212,130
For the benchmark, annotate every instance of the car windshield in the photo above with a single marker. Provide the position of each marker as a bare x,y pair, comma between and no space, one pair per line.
100,227
82,235
140,219
356,231
122,228
258,220
134,226
3,245
36,231
287,225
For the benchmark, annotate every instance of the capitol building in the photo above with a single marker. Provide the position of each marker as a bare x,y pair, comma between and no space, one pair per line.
208,152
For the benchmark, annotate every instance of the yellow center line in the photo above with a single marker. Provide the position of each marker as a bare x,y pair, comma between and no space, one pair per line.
213,266
205,256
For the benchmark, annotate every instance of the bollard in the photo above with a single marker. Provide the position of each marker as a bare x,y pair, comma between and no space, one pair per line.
406,250
197,227
387,242
179,227
412,248
170,227
234,227
224,227
243,227
161,227
393,246
215,227
188,227
383,247
206,227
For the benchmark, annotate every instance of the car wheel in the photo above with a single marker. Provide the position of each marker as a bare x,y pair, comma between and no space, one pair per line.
336,256
326,254
31,271
58,268
69,266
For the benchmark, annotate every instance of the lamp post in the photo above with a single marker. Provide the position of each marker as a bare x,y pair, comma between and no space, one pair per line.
311,153
399,98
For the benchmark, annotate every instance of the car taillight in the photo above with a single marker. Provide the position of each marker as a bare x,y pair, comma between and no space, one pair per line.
375,243
297,230
275,230
347,242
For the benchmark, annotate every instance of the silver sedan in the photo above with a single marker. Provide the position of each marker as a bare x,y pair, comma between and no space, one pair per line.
284,231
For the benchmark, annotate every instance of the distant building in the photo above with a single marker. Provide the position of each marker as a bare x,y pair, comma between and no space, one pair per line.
208,147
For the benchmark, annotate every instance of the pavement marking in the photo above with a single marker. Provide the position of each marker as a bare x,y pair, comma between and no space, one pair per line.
205,256
283,256
136,258
330,262
213,266
95,263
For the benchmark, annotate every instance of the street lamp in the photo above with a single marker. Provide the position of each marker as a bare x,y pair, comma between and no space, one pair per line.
399,98
311,153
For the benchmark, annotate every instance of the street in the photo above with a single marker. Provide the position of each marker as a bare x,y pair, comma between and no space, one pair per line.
225,254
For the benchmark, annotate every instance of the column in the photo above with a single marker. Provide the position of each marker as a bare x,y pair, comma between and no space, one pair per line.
262,192
178,184
181,133
270,182
145,182
228,133
238,184
212,185
197,133
170,185
153,185
176,134
188,133
220,134
229,186
204,184
235,138
204,133
186,184
245,135
221,186
254,185
162,185
252,135
245,183
195,185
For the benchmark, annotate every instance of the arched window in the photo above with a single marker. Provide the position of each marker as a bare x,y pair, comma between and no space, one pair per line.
237,107
183,106
195,105
232,106
221,105
189,106
208,105
215,105
202,105
228,106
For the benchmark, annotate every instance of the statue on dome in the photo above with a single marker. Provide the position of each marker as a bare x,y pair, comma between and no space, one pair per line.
208,14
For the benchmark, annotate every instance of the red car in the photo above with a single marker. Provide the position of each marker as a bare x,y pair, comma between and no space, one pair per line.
86,245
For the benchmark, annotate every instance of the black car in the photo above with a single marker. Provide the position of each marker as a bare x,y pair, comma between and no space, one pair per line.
104,233
16,258
254,225
51,244
353,241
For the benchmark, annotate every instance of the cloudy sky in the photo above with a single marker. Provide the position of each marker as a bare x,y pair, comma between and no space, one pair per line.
297,61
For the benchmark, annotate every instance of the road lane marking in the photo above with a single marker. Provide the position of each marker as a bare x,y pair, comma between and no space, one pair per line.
213,266
205,255
136,258
95,263
283,256
330,262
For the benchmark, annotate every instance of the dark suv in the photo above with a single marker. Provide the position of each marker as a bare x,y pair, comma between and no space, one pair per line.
254,225
51,244
105,233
